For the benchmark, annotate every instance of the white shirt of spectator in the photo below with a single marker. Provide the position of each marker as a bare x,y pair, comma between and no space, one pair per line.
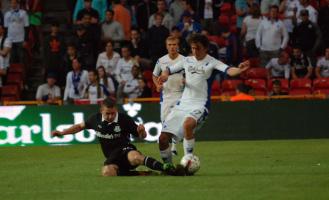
110,85
271,35
252,26
108,63
312,14
277,70
131,89
197,75
69,88
45,90
92,93
291,5
173,87
208,11
323,64
4,61
16,21
123,70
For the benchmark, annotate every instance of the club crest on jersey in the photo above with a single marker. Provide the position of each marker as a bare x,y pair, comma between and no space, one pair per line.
196,70
117,129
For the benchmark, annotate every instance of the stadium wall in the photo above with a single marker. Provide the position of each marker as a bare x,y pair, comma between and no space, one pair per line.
277,119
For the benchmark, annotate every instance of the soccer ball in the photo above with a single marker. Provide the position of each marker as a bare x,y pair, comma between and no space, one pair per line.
191,163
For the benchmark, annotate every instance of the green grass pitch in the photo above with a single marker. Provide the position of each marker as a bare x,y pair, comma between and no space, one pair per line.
281,169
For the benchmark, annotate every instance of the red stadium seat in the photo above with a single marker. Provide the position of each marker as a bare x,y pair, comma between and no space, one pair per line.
224,20
10,98
16,68
15,79
226,9
215,88
148,74
233,19
300,87
284,84
229,87
257,73
254,62
258,86
321,86
10,91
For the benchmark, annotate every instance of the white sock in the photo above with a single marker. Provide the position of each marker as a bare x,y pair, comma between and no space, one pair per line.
166,155
173,144
188,146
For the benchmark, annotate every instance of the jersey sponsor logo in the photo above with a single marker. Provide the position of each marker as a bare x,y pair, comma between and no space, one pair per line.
108,136
117,129
196,70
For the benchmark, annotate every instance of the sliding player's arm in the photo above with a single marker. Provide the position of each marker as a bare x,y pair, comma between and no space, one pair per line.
72,130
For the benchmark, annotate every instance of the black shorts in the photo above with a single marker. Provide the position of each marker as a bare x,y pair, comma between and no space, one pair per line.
119,157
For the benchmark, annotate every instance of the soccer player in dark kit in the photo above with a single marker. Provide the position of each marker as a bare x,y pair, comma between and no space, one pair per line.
113,130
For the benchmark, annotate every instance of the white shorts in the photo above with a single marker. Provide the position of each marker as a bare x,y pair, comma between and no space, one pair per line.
174,122
166,107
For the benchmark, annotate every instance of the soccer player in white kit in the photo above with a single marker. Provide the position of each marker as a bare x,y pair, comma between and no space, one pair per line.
193,107
172,89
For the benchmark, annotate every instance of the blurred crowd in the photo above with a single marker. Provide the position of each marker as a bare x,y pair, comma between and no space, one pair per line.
112,45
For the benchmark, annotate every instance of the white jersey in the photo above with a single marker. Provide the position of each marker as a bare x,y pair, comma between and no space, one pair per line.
278,70
173,87
323,64
198,78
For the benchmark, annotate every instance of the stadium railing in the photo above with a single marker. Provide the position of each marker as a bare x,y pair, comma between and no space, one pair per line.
13,103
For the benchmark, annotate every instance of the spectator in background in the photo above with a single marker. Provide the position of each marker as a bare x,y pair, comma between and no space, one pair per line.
279,67
122,15
323,23
76,82
139,49
85,46
5,47
271,37
5,6
229,53
176,10
34,9
312,12
241,9
146,90
188,26
106,80
242,93
322,66
213,47
93,33
144,10
289,10
87,9
157,36
101,7
111,29
301,66
94,90
249,29
49,92
16,22
123,69
53,50
307,36
108,59
184,48
132,88
1,17
69,56
167,20
277,89
266,4
188,8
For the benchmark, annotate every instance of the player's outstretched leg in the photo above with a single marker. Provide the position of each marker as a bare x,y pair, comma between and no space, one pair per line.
189,141
174,151
136,158
165,151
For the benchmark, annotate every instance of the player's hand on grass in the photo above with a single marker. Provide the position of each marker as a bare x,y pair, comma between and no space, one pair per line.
244,66
56,133
141,131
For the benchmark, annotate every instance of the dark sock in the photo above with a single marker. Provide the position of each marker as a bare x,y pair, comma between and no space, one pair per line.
153,164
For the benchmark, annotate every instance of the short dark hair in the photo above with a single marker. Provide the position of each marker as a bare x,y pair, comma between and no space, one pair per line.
274,7
109,102
199,38
93,71
243,88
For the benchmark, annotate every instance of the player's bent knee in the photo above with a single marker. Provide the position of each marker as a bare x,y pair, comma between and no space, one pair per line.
135,158
189,124
110,170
